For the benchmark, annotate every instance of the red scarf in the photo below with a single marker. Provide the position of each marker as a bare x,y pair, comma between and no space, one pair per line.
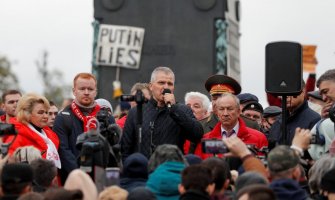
3,118
84,118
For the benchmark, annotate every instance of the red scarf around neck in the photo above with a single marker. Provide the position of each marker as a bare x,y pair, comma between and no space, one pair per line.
84,118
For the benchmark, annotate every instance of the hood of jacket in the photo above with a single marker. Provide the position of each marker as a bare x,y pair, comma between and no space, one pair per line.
288,189
164,181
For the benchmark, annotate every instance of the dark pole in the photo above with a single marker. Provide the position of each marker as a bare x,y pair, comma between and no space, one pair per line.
283,124
139,117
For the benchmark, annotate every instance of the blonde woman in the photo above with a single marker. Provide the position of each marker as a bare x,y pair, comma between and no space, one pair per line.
31,123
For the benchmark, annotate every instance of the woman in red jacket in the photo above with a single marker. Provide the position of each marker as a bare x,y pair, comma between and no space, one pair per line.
32,128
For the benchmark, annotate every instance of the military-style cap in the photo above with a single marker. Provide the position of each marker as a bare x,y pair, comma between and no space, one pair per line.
282,158
219,84
315,94
253,106
272,111
247,97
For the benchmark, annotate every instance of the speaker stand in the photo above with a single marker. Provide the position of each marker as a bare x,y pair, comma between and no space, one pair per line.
283,124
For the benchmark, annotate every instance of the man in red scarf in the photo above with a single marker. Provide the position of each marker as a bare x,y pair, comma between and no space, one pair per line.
75,119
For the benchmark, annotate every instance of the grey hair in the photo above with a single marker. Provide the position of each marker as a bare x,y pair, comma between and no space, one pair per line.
320,167
204,99
139,86
249,178
227,94
164,153
329,75
165,70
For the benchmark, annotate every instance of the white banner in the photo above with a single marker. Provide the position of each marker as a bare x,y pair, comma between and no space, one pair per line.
119,46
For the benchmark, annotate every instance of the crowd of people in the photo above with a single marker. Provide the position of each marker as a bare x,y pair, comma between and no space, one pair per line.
221,145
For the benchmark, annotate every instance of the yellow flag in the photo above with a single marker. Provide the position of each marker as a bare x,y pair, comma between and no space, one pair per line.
117,89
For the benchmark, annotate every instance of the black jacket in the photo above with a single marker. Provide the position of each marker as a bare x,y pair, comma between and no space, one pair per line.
194,195
303,117
160,126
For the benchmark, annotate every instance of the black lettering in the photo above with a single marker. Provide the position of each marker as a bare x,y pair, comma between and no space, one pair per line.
111,56
121,35
104,32
99,55
137,38
131,54
119,55
129,37
112,35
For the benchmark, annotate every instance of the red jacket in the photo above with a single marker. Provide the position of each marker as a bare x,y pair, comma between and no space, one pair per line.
247,135
27,137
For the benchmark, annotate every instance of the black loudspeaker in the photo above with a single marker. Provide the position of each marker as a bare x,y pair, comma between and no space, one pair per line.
283,72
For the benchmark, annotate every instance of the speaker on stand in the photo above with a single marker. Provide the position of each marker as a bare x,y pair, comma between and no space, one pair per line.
283,73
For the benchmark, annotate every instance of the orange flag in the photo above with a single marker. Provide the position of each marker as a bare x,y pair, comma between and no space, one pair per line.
309,59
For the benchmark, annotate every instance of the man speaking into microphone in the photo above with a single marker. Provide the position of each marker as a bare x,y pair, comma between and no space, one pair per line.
164,120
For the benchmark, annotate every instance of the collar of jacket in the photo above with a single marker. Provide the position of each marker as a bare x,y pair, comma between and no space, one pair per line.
242,131
302,107
154,103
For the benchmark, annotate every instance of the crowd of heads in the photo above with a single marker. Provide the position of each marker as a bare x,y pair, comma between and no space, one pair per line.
168,173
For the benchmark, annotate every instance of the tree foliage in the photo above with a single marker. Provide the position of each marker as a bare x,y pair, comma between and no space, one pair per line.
8,79
54,87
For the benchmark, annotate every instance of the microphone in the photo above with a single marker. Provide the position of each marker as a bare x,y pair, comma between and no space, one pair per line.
167,91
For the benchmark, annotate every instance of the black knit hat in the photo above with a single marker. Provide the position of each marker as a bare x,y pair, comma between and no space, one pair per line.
135,166
328,181
16,173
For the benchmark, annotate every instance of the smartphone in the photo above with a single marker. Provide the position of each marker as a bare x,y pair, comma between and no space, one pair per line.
112,176
213,146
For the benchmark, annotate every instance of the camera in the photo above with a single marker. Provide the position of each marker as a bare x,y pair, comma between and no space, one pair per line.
111,132
213,146
94,150
7,129
138,97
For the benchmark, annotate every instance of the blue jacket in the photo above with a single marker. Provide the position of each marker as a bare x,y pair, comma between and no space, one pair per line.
164,181
68,127
303,117
286,189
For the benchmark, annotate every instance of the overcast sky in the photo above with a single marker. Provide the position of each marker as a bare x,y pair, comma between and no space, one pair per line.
63,27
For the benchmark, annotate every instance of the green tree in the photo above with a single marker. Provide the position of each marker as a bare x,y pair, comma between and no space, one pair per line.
54,86
8,79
